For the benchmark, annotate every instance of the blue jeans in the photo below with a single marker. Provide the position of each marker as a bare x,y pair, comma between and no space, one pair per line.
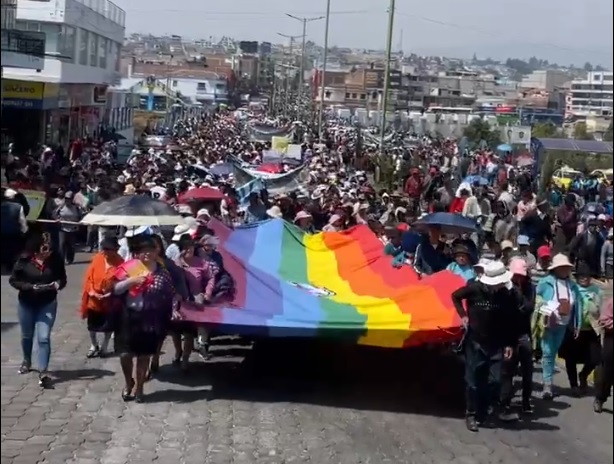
552,339
40,320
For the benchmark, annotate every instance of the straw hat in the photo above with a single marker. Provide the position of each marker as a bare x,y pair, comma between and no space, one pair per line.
495,273
274,212
302,215
560,260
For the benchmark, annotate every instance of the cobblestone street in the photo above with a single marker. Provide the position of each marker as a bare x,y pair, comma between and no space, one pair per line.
286,402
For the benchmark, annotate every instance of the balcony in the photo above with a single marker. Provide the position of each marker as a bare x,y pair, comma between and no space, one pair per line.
23,49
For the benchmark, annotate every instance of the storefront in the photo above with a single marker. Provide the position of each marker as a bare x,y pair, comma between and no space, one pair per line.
22,114
77,114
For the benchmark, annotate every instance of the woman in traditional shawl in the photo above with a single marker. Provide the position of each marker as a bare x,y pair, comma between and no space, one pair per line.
96,305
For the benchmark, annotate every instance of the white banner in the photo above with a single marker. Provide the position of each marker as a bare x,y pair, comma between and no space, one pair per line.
520,135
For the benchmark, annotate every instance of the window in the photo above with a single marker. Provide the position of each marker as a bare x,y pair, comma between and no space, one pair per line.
175,84
201,87
53,37
8,16
84,38
118,59
354,96
102,52
67,46
347,95
363,96
93,49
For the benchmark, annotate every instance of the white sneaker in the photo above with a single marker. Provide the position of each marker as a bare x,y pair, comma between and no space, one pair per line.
508,416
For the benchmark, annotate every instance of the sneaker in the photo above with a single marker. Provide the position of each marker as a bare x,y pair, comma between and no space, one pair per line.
547,392
576,392
598,406
24,368
472,424
44,381
507,415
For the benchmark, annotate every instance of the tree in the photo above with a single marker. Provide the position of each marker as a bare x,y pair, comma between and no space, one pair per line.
580,131
545,130
588,67
607,136
479,130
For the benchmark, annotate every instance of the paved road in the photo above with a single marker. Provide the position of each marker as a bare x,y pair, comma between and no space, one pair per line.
287,402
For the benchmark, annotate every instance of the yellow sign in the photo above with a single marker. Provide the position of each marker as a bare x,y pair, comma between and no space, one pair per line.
280,144
22,90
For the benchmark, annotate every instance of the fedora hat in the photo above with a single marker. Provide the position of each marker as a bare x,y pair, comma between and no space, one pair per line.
559,260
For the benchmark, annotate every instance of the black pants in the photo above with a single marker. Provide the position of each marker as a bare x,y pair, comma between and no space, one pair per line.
523,356
67,246
603,373
482,377
590,357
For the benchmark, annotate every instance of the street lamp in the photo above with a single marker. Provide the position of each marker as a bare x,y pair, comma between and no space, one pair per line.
302,66
387,74
287,90
323,76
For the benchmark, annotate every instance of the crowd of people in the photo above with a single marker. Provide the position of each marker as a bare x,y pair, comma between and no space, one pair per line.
534,265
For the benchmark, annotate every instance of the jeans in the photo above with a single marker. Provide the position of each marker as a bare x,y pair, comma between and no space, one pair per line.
67,245
40,320
482,377
523,355
552,339
603,372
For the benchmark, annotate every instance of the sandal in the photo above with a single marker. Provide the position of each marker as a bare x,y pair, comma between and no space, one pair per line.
127,392
24,368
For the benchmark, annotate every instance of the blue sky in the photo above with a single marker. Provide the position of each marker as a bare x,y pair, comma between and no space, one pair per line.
564,31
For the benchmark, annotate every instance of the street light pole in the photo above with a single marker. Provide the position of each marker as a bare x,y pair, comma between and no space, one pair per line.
323,76
304,21
287,96
387,74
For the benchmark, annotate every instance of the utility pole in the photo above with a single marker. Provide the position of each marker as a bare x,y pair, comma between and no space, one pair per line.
301,81
387,74
287,96
323,76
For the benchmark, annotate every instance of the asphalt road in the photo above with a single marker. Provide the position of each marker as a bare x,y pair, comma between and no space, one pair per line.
278,402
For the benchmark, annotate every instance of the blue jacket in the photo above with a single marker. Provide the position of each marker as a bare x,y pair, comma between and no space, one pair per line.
546,292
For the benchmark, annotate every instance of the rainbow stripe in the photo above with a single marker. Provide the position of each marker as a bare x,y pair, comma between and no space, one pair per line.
289,283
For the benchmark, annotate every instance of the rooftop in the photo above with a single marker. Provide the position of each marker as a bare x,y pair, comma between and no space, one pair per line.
583,146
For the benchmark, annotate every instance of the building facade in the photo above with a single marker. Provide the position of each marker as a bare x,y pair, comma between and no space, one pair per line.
591,96
66,98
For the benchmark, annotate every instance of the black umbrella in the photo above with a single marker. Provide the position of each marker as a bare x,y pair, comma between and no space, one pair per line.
133,211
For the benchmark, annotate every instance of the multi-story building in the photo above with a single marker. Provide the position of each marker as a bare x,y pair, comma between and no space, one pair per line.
591,96
66,97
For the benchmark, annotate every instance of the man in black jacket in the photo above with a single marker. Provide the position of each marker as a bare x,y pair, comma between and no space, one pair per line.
488,340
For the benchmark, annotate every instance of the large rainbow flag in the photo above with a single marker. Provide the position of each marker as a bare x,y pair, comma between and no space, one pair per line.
330,284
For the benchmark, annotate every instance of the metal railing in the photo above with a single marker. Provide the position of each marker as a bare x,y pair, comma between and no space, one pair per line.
107,9
25,42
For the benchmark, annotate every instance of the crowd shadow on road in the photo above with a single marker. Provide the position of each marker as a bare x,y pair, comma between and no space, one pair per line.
417,381
61,376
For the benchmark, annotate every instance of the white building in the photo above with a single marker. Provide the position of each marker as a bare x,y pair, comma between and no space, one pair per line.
65,99
591,96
